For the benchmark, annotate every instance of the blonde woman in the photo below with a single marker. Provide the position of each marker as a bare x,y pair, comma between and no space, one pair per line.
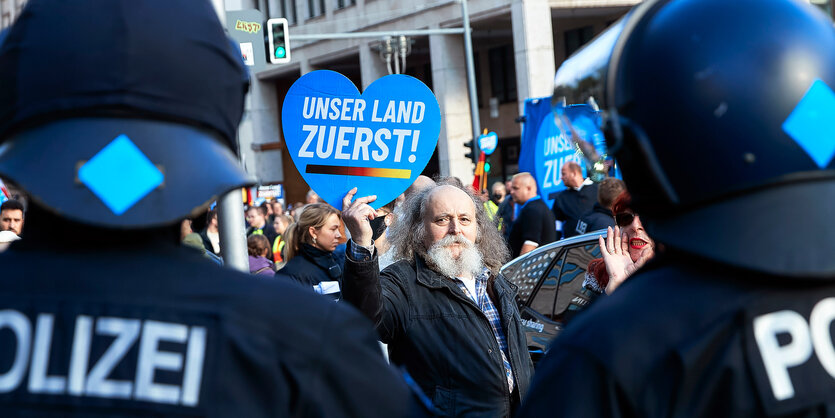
309,250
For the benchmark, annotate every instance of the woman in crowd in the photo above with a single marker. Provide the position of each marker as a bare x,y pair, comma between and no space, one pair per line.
625,249
309,250
260,256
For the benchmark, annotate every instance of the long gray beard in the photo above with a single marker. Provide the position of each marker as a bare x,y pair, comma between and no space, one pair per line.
469,261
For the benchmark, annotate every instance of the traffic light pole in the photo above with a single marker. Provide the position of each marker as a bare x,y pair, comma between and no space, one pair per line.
230,216
375,34
468,51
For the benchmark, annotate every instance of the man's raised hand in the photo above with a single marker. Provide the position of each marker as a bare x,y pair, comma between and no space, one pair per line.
356,215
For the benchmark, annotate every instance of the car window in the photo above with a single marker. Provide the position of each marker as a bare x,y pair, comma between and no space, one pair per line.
525,272
572,274
543,300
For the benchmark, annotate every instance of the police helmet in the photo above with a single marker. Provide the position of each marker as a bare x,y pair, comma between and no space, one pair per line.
121,113
720,116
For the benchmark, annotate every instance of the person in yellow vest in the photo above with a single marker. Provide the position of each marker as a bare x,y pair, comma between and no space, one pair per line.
491,206
280,223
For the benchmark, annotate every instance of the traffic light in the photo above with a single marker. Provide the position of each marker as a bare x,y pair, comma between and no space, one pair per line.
471,150
279,39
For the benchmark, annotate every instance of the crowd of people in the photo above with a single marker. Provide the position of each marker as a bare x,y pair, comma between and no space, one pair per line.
307,242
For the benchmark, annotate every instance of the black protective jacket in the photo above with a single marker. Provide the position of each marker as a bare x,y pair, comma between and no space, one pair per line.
441,336
692,338
569,205
157,330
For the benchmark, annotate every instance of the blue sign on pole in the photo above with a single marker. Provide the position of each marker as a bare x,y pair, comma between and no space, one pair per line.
488,142
554,146
378,141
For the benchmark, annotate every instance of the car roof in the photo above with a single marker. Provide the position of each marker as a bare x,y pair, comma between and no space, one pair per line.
591,236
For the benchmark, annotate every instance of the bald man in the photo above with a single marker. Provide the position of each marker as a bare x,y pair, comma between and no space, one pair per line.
421,182
534,224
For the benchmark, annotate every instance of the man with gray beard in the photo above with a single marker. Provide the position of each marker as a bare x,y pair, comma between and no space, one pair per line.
445,312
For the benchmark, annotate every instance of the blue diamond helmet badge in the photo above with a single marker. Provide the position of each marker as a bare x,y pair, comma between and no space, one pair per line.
810,123
120,175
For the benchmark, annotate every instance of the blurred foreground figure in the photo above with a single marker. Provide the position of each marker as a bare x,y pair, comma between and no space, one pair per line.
133,128
734,315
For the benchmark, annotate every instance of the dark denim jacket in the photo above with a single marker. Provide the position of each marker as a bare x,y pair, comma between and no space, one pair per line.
441,336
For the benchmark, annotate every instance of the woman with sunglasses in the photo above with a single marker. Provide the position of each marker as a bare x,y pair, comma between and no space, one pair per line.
310,250
625,249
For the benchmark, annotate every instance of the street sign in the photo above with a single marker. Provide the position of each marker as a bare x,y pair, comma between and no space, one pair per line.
488,142
275,191
246,29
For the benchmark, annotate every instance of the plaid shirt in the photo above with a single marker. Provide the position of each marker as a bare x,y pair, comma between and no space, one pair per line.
360,253
486,305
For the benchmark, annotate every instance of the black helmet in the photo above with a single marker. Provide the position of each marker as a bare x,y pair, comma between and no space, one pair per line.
121,113
720,114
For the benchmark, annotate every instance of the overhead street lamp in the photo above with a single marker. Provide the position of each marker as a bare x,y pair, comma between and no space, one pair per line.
398,48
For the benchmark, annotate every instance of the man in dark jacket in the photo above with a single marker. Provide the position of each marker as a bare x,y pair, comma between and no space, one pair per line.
135,324
579,197
733,318
601,216
443,309
256,216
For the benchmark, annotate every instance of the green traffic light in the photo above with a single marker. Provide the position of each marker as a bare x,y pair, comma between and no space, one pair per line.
280,52
486,167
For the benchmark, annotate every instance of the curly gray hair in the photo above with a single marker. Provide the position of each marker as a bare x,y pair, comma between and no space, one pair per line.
408,233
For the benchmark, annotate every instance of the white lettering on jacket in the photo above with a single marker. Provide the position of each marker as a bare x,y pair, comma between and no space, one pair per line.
806,338
33,347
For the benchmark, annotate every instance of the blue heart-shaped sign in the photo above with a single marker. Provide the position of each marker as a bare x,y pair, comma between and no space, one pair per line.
378,141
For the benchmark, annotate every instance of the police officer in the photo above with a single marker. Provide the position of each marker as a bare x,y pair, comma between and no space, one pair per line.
720,114
119,118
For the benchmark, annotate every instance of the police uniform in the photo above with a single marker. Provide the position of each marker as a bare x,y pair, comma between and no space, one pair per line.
724,137
155,329
689,338
130,130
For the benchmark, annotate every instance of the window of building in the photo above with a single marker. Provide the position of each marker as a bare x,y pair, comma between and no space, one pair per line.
264,7
288,11
825,5
315,8
502,73
278,8
341,4
575,38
